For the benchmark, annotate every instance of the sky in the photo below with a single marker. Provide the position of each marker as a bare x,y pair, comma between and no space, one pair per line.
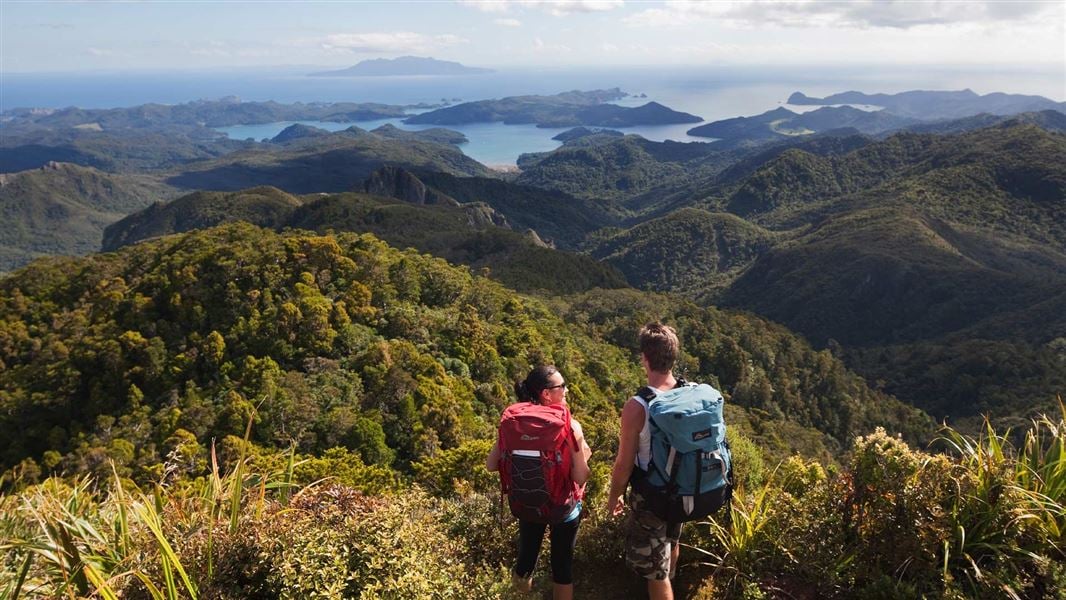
59,36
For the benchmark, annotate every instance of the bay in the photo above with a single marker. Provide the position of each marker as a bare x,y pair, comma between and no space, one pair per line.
493,144
712,93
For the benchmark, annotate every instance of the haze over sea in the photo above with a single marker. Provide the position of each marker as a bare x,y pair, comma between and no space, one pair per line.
712,93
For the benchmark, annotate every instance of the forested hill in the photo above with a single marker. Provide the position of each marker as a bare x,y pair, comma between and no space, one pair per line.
63,208
474,234
933,263
152,351
329,163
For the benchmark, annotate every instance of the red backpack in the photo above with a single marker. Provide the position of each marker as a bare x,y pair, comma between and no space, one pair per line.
536,449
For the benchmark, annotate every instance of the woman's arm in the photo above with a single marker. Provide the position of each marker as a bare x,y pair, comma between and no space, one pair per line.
579,462
492,463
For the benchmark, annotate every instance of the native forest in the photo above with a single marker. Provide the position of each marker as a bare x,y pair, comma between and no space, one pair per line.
273,369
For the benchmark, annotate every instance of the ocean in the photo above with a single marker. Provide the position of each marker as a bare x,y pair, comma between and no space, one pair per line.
709,92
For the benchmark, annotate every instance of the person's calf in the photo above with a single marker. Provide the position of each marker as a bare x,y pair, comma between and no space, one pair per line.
660,589
675,553
522,584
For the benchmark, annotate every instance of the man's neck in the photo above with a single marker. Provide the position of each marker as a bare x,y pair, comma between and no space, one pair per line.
661,381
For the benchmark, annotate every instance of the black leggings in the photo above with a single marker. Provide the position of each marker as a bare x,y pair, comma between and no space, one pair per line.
563,538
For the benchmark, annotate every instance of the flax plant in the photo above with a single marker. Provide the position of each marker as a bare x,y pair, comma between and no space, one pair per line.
64,542
743,541
1040,473
1008,507
72,554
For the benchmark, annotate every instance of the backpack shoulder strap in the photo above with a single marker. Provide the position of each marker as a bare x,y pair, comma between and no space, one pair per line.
568,424
646,393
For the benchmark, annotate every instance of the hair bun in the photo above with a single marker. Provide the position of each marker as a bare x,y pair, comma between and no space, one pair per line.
522,390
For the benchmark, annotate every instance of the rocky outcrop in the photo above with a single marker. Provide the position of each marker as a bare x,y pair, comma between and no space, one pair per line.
395,182
480,215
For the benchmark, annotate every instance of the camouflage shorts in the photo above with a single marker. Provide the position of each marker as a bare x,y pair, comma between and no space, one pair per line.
649,540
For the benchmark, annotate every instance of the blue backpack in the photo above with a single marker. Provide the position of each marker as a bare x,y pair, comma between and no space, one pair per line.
690,472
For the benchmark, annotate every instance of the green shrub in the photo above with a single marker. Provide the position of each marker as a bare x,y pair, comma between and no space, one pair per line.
457,469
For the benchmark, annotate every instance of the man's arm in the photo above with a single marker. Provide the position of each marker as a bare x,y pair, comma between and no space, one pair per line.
628,444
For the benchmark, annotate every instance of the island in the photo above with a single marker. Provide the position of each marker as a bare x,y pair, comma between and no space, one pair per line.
568,109
223,112
582,132
930,105
781,123
403,66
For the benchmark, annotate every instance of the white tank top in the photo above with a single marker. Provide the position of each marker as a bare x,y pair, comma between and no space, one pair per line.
644,446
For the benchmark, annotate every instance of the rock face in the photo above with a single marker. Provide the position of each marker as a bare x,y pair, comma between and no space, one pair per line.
536,239
395,182
480,215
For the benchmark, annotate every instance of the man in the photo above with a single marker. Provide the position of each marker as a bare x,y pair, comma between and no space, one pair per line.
651,543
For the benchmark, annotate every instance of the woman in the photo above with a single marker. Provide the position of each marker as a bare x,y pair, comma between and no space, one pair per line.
545,385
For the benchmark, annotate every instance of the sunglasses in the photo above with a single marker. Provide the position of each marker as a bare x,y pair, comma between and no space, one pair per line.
552,387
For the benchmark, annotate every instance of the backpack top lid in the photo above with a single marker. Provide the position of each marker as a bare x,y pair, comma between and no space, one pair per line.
690,416
531,426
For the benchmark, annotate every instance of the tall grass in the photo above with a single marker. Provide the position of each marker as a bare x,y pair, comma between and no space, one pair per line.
742,536
984,520
1011,502
68,542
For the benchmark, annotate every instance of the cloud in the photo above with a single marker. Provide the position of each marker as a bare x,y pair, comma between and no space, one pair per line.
214,48
398,41
508,22
541,47
54,25
562,8
858,14
558,8
490,6
100,51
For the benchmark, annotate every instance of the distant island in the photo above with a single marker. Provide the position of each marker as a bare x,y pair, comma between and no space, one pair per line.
582,132
928,105
224,112
568,109
916,110
782,123
404,65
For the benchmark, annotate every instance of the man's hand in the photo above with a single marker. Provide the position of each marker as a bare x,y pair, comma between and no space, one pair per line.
615,505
